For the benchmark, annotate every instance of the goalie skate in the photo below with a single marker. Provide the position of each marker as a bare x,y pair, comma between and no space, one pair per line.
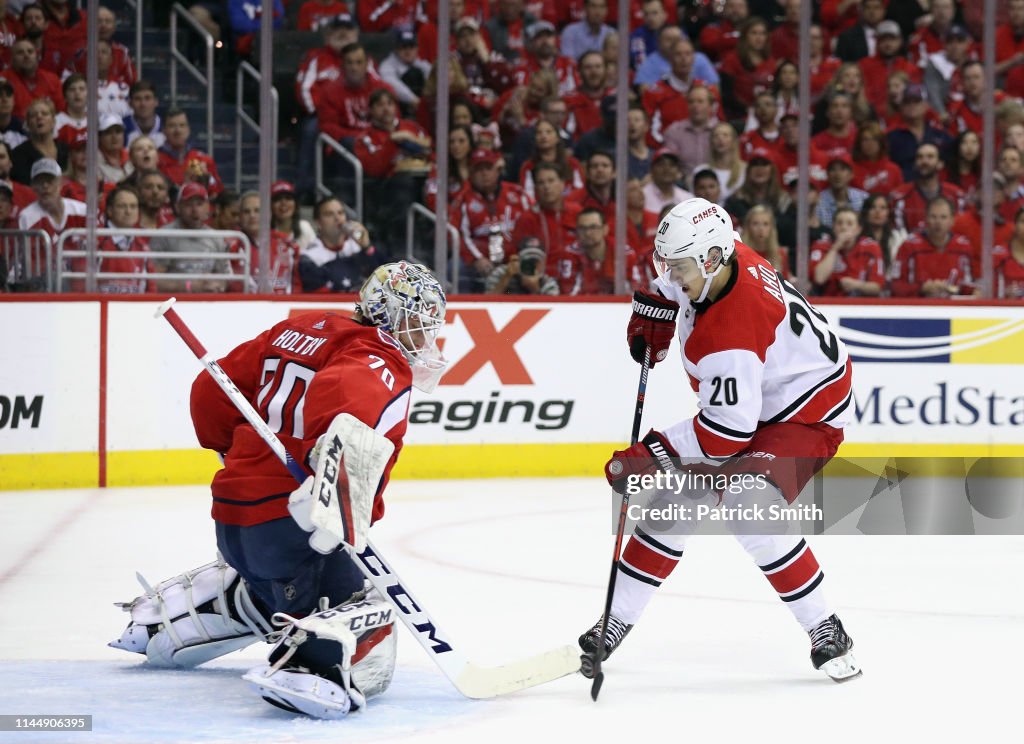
831,648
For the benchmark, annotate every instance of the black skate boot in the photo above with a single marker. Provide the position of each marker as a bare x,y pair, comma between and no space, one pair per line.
590,640
830,650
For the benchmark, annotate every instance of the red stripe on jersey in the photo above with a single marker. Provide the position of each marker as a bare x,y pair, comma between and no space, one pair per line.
797,574
714,444
826,399
641,557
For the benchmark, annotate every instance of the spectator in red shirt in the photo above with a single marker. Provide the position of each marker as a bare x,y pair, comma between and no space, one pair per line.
1010,165
967,112
584,103
1008,263
389,142
343,112
886,60
34,23
849,264
519,107
29,81
552,220
1010,39
542,54
841,132
786,154
873,171
963,164
748,69
935,262
313,13
718,39
10,31
824,65
65,31
284,252
598,190
910,201
588,266
384,15
932,38
640,217
765,132
665,101
74,184
785,37
181,162
426,32
121,66
122,211
76,96
460,146
549,148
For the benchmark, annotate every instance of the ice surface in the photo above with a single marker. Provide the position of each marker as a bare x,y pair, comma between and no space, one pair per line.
511,568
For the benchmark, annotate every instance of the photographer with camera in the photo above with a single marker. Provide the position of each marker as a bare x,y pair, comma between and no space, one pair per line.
524,273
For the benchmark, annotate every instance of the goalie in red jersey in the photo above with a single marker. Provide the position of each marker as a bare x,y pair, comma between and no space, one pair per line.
774,389
317,379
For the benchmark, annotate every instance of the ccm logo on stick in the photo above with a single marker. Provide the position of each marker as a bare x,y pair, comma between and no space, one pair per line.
705,213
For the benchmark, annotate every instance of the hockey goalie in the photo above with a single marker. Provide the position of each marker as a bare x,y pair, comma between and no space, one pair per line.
336,390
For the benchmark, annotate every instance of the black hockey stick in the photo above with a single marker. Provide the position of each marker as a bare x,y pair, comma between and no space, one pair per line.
592,662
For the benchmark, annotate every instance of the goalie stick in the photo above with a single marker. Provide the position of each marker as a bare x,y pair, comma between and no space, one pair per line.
469,679
591,663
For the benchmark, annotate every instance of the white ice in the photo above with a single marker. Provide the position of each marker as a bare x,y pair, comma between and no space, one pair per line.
512,568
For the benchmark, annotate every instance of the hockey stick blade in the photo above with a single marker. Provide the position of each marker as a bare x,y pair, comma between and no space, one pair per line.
487,682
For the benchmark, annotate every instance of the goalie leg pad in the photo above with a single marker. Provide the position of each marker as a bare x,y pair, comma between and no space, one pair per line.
192,618
329,663
337,504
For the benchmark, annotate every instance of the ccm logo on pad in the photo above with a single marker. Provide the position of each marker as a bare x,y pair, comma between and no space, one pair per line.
705,213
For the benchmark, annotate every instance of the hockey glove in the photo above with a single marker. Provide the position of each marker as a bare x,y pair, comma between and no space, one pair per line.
653,324
648,456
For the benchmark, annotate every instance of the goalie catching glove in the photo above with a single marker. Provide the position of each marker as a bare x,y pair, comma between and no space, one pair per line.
650,455
336,503
653,324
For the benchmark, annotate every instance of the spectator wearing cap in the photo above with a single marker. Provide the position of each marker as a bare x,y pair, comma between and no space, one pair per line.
344,105
341,256
748,68
587,34
725,160
505,31
314,13
666,100
382,17
143,121
75,181
848,264
839,192
485,216
762,185
12,129
30,82
841,131
284,214
662,188
40,125
181,162
548,147
942,68
787,152
587,267
73,117
719,38
405,72
887,59
552,219
935,261
22,194
193,212
690,138
121,211
765,133
154,199
524,274
657,64
113,157
910,201
65,32
873,171
914,131
855,41
932,38
541,53
50,212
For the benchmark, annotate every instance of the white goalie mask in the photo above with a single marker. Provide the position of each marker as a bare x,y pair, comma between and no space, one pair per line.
697,229
406,301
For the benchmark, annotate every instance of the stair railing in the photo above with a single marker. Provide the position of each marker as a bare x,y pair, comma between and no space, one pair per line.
178,11
242,118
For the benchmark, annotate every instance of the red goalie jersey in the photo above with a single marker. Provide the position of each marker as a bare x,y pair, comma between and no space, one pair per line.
760,354
299,375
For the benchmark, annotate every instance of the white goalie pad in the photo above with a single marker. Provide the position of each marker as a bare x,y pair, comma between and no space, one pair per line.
364,630
336,504
192,618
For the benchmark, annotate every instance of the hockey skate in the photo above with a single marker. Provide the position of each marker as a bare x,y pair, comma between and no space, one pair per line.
589,641
830,650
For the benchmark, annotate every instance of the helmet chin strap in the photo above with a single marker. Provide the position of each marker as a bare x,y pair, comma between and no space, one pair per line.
707,288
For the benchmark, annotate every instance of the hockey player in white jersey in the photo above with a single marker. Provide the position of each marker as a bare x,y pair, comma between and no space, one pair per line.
774,388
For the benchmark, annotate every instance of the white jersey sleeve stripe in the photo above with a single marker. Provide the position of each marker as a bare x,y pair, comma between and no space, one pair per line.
724,431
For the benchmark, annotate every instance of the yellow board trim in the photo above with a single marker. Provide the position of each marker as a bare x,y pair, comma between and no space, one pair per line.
195,466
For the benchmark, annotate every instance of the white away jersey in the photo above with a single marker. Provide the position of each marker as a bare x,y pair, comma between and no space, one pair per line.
759,354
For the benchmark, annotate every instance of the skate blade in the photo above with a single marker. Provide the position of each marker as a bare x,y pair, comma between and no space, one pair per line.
842,668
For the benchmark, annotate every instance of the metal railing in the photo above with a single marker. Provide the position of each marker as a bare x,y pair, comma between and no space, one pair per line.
178,11
441,257
242,118
243,276
28,261
321,190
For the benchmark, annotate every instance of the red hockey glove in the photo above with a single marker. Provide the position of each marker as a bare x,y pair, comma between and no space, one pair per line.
653,324
646,457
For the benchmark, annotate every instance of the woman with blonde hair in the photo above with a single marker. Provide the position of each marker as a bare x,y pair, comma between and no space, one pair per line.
760,234
849,79
725,160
